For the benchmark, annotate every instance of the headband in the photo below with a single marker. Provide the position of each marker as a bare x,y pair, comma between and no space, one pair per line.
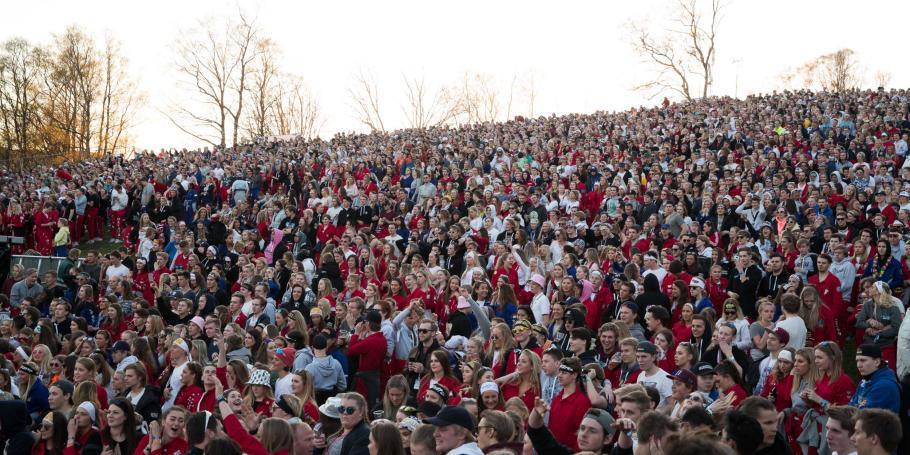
285,406
28,369
567,369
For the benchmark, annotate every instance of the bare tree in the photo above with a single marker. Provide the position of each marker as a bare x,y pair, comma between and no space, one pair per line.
882,78
365,98
120,99
264,92
215,62
297,110
425,107
838,71
531,93
683,54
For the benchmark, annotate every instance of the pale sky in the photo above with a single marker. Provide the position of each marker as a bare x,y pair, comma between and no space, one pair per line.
577,51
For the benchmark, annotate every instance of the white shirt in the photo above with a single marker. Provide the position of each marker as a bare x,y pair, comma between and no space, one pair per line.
116,271
283,386
540,306
659,381
659,272
796,328
176,385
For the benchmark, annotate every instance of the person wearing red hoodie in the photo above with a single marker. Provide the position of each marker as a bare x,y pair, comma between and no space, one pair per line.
828,286
600,300
368,345
165,438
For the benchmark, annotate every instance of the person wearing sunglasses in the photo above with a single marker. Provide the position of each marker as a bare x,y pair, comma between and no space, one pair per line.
51,437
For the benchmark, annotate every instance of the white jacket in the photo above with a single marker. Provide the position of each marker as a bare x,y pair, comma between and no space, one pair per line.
903,347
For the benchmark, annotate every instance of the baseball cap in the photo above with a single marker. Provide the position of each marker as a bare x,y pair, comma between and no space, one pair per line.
870,350
782,335
685,376
453,415
703,369
647,347
697,282
604,419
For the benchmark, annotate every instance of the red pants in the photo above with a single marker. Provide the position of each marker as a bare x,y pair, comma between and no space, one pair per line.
93,222
78,223
117,223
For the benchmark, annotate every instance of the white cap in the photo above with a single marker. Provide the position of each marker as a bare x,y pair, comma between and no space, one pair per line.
785,356
697,282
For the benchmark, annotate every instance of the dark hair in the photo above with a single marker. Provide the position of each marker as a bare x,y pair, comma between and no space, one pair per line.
882,423
654,425
790,303
59,422
196,427
129,424
845,416
222,446
697,416
387,438
753,405
743,430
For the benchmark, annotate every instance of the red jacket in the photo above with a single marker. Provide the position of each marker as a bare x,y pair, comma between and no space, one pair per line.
247,442
371,350
174,447
838,393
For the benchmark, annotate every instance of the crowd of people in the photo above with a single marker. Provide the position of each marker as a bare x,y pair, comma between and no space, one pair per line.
688,278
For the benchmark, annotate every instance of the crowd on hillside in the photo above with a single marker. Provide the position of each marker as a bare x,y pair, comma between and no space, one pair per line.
687,278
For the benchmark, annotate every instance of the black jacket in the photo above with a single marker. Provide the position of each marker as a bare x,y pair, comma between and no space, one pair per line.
357,441
15,439
149,406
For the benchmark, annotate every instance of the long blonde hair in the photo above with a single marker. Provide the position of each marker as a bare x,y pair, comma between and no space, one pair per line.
808,354
810,314
534,374
508,343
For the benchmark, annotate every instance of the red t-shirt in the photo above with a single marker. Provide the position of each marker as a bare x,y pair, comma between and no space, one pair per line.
566,414
511,390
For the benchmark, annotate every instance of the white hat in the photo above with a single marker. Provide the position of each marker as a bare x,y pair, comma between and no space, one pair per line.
697,282
260,377
330,407
489,386
180,343
539,280
89,409
786,356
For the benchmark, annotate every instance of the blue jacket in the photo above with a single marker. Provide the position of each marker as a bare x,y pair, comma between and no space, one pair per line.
36,401
880,390
892,275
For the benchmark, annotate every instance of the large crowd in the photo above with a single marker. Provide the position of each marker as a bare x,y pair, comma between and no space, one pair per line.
717,276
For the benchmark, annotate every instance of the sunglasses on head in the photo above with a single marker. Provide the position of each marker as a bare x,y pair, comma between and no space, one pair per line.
349,410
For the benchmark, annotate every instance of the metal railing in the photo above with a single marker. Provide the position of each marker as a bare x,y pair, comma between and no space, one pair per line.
40,263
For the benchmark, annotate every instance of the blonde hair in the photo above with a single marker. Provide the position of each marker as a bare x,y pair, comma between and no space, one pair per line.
808,354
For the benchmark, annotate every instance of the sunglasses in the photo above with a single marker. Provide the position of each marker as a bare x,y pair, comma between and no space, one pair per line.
519,331
494,337
47,426
350,410
423,330
729,312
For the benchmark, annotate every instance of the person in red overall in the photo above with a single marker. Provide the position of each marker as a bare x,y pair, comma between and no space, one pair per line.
369,345
828,287
191,391
524,383
45,224
440,372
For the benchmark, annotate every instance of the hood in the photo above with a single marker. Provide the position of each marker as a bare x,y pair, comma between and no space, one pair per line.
14,417
651,283
324,366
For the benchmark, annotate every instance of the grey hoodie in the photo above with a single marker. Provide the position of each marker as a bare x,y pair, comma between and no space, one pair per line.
845,271
243,354
303,358
327,374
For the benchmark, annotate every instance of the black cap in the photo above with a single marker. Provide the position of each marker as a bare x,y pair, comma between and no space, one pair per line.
65,386
647,347
870,350
703,369
374,316
121,346
453,415
429,408
319,342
